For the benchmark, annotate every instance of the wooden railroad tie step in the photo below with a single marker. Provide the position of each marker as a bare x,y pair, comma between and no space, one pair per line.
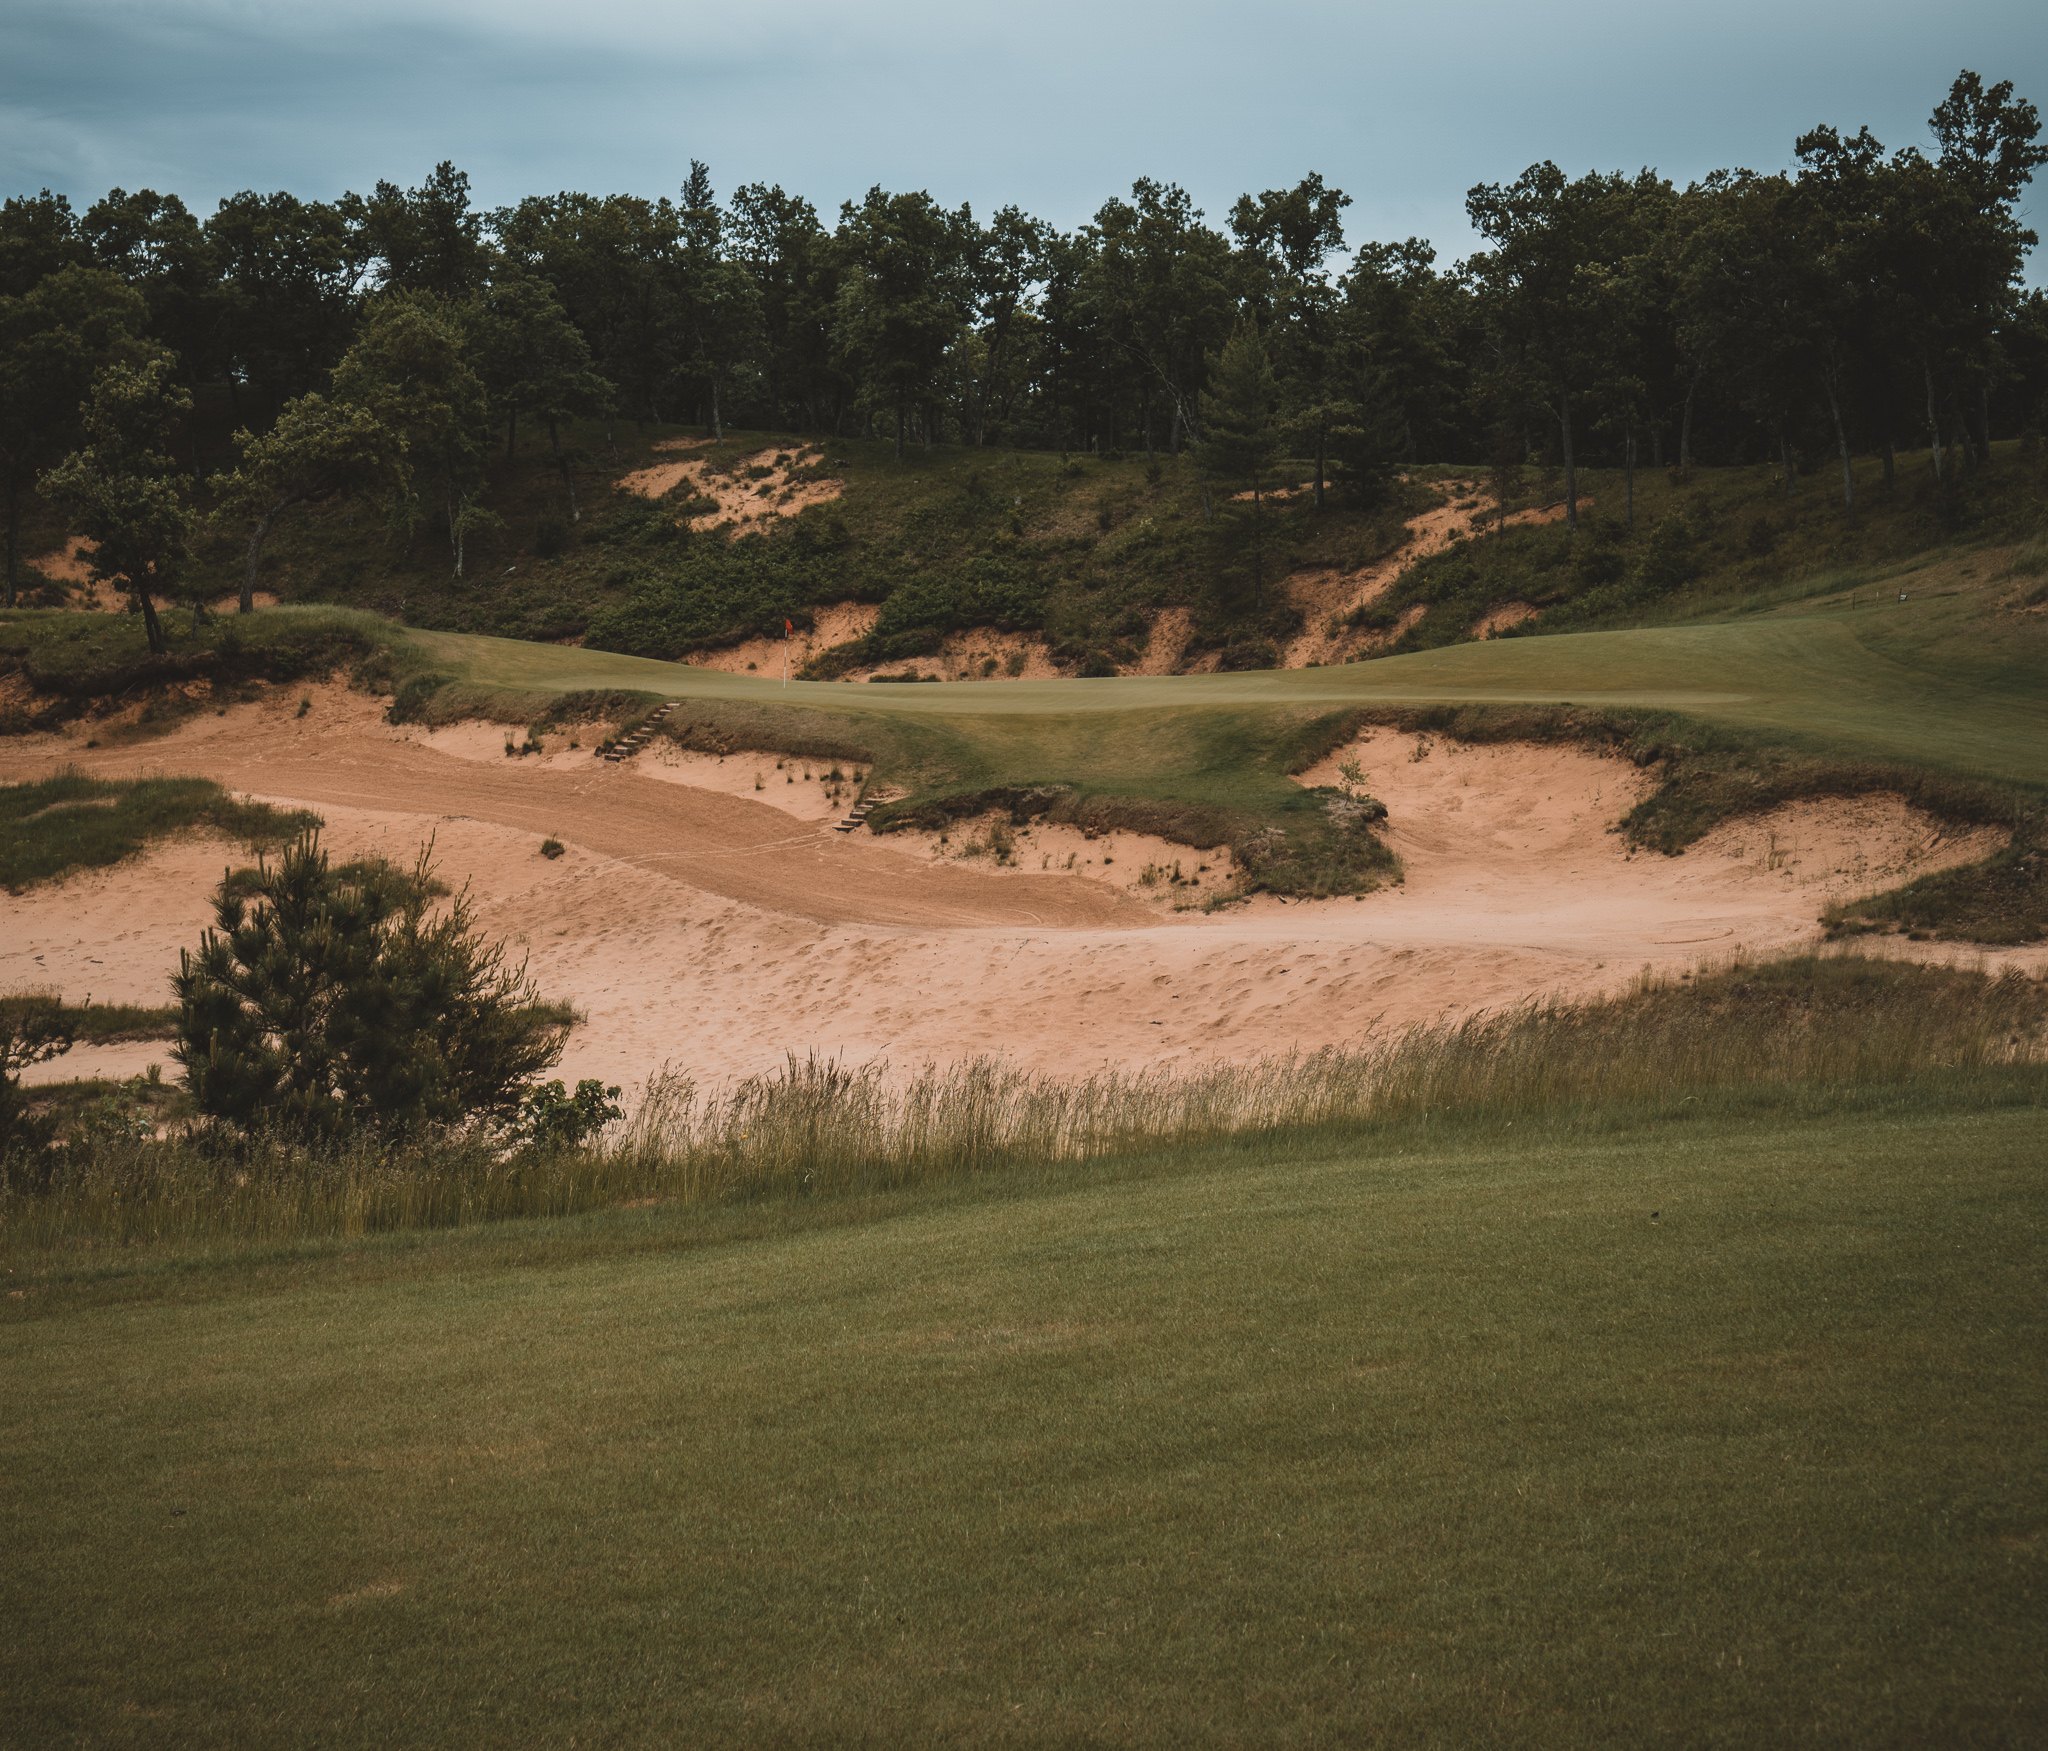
632,744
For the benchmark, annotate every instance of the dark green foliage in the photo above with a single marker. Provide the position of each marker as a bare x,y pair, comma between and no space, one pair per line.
718,593
75,663
34,1028
996,589
552,1118
328,1002
126,491
55,825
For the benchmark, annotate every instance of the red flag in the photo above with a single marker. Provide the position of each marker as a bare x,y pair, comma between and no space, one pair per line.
788,627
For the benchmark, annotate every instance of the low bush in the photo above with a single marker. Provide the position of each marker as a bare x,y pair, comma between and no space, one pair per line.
330,1001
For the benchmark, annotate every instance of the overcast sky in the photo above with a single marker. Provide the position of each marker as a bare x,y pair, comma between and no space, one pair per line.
1053,106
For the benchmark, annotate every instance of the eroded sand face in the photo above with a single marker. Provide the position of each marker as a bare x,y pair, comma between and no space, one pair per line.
1324,595
706,924
763,490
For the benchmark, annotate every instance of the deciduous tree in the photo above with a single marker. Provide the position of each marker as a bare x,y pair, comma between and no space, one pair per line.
125,492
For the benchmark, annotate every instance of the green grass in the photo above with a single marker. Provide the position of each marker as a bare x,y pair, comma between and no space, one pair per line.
1749,701
1726,1432
1935,681
56,825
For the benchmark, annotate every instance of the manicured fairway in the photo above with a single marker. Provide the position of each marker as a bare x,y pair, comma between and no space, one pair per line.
1724,1434
1926,681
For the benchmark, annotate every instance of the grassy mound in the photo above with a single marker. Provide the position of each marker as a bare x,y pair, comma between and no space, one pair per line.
74,665
56,825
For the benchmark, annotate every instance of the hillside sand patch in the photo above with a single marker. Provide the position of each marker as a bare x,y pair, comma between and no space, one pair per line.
1325,596
833,624
756,489
703,924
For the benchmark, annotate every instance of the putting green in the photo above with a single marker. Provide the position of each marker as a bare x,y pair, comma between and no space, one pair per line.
1923,682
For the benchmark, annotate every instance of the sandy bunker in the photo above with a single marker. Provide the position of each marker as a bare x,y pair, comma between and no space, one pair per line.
708,915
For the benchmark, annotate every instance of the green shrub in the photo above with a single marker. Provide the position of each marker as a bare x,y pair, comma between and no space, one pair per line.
337,1003
551,1118
1667,559
33,1030
408,705
550,534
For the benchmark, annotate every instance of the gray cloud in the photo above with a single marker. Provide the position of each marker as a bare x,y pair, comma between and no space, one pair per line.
1053,106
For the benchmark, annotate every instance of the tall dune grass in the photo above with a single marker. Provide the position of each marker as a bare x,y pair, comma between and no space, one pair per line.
1831,1026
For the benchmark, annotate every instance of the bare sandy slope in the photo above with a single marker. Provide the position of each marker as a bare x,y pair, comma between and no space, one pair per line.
1464,512
701,922
741,498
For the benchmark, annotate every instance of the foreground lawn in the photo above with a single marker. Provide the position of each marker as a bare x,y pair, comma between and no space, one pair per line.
1716,1434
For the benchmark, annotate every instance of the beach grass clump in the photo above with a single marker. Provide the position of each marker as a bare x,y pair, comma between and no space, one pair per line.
1819,1028
52,826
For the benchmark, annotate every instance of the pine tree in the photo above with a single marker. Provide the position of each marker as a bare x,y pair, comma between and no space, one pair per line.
329,1001
1241,429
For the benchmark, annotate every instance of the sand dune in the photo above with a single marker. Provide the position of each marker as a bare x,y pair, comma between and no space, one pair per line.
703,923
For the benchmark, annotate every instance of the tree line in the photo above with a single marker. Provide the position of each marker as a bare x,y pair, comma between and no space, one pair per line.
1864,301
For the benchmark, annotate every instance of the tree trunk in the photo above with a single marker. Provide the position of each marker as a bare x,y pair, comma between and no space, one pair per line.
1151,455
562,463
1933,422
1629,508
717,412
13,535
1657,444
1785,460
1322,448
151,626
248,603
1571,472
899,428
1984,421
1685,426
1176,425
1258,546
1842,449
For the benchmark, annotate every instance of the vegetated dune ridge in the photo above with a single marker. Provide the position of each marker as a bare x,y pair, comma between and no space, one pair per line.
704,923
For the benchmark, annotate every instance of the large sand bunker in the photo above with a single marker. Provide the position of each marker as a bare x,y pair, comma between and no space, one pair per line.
703,922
